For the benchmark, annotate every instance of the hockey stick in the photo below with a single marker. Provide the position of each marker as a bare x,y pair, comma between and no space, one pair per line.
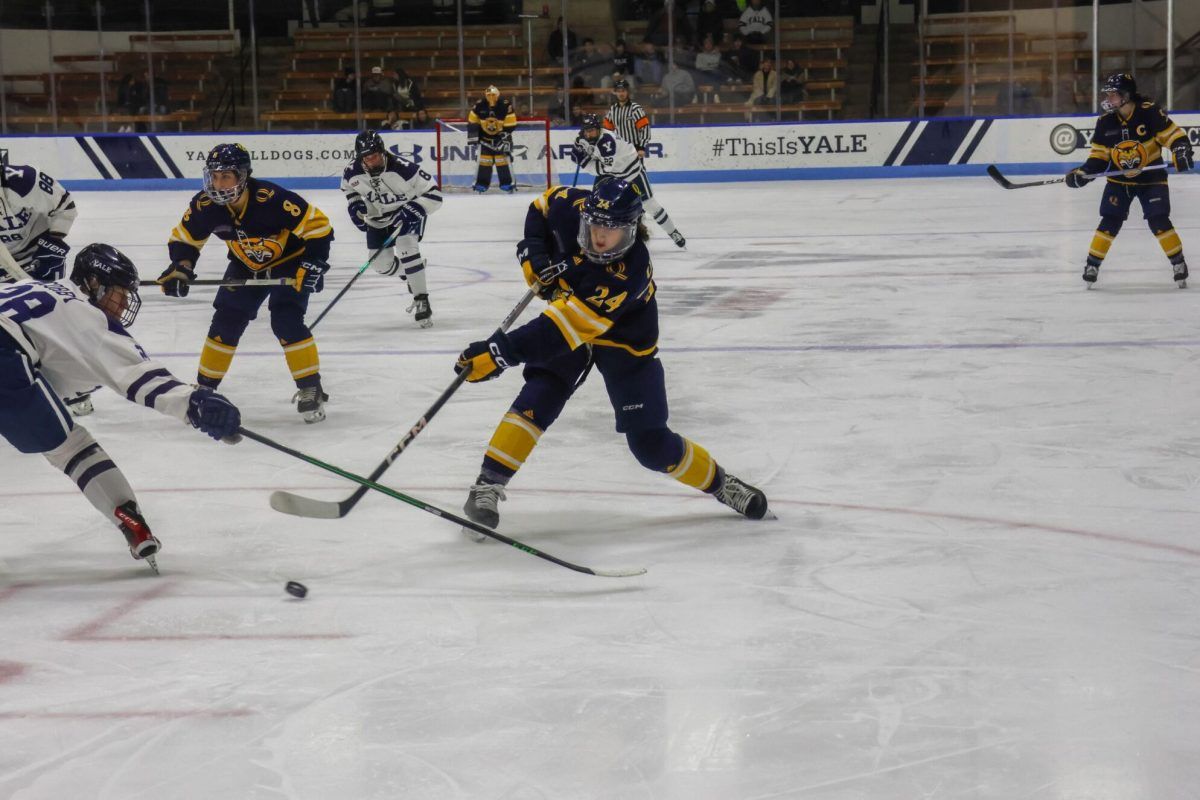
301,506
366,483
232,282
10,265
995,174
386,244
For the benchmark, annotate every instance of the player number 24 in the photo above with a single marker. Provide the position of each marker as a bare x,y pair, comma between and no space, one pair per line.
601,298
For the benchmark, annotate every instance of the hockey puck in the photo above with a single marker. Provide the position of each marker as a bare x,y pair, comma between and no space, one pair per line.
296,589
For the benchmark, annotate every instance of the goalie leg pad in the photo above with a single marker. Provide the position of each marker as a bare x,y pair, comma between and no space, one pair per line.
32,417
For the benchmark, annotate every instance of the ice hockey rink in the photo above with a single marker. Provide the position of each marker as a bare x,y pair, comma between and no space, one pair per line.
983,581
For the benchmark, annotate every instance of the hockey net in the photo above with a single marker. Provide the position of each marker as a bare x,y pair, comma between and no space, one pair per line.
530,159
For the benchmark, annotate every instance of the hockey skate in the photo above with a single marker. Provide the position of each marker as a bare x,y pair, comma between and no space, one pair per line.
742,497
1090,272
481,507
81,405
424,314
507,188
310,402
479,188
1181,274
678,239
142,543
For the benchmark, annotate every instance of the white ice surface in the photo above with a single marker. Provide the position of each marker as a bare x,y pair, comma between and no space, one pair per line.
983,582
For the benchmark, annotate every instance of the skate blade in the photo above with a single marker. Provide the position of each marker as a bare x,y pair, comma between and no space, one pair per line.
152,562
425,323
1181,284
770,515
1091,286
314,417
474,536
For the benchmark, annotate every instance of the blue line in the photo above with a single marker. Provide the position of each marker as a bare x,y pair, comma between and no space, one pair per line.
817,348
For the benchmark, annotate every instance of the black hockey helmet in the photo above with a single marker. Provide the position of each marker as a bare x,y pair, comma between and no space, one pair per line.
616,205
229,157
1123,84
100,269
365,144
590,122
621,83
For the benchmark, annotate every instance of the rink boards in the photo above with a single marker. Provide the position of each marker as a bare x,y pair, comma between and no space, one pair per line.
678,154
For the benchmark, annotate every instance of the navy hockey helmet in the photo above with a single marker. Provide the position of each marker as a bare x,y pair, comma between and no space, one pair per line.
619,84
1120,83
110,280
365,144
590,122
608,222
226,158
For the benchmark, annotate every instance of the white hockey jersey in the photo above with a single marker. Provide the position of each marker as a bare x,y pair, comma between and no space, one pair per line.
755,20
400,183
31,203
611,155
77,347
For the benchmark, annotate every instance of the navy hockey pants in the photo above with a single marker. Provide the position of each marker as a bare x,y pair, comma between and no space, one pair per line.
32,417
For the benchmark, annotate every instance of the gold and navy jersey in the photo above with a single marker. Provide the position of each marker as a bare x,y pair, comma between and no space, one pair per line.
490,122
269,226
1132,144
605,305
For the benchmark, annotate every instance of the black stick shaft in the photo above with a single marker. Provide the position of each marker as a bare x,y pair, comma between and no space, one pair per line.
437,512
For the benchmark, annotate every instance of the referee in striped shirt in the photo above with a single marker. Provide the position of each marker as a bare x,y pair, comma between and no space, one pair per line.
628,119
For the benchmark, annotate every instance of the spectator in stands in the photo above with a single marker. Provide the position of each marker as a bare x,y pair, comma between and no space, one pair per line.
756,23
421,120
678,86
646,66
766,84
137,94
558,111
344,88
589,64
407,96
379,91
622,62
555,45
709,22
708,62
124,95
657,32
742,60
791,82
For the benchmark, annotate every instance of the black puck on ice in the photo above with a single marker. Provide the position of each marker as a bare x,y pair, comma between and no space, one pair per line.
296,589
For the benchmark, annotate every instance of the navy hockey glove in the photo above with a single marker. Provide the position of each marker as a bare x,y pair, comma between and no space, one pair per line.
1077,179
1182,150
408,219
213,414
482,361
540,274
50,263
358,215
176,278
310,277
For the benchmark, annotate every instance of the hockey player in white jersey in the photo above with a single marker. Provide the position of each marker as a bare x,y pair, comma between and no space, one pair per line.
36,213
612,156
57,339
388,195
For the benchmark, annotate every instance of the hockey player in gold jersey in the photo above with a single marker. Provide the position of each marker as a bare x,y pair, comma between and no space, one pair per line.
1130,137
490,125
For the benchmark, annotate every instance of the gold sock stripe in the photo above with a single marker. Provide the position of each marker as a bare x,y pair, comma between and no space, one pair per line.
514,440
697,468
1101,242
1170,242
302,358
504,458
215,359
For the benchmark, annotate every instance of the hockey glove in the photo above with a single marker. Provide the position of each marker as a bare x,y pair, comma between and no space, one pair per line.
50,263
310,277
581,151
213,414
407,219
540,274
358,214
1077,179
504,144
483,361
1182,150
176,279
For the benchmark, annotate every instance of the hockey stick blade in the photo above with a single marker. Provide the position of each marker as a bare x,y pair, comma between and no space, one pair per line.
999,178
322,509
438,512
300,506
994,172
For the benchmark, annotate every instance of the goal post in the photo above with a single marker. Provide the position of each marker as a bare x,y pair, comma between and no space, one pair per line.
531,159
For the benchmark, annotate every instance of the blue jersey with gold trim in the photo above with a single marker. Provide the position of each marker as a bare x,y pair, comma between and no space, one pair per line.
269,226
1133,143
606,305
